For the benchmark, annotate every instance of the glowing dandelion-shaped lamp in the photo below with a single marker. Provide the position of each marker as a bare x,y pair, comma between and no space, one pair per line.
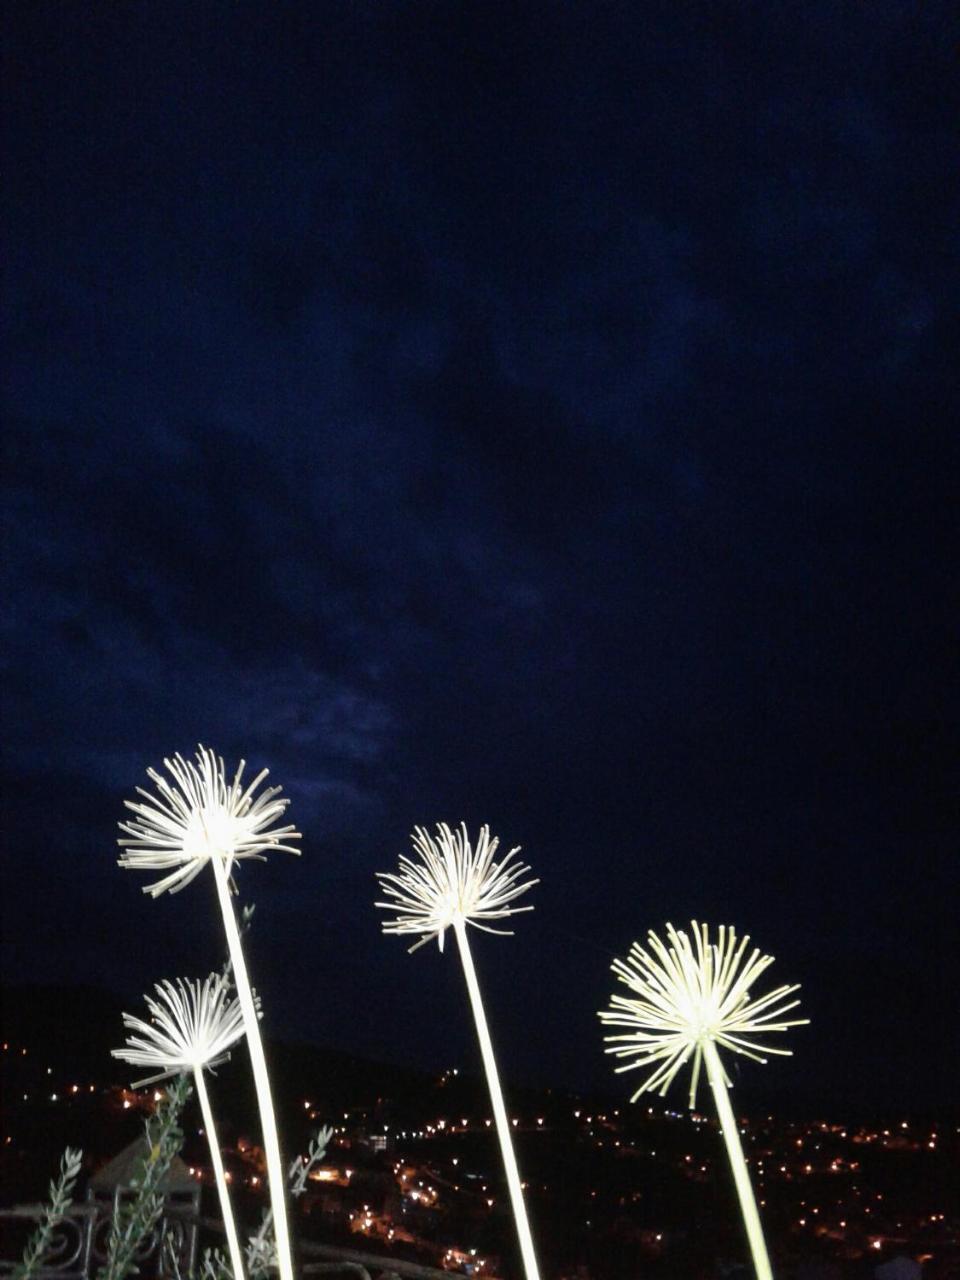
448,886
199,818
688,1000
192,1028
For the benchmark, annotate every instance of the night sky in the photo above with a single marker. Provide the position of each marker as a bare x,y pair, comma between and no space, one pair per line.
535,414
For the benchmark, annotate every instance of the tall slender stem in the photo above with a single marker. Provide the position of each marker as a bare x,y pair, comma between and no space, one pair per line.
268,1122
229,1226
731,1136
496,1099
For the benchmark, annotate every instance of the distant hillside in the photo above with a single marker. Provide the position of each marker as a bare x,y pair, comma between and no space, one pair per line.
73,1029
77,1026
46,1019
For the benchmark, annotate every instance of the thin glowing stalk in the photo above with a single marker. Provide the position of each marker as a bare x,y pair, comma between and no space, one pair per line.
496,1099
268,1121
229,1226
731,1136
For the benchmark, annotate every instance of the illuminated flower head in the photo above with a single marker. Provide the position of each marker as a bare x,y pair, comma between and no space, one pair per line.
452,881
199,817
686,994
192,1025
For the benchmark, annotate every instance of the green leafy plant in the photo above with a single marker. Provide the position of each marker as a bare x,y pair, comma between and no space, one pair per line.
214,1265
135,1218
261,1251
61,1197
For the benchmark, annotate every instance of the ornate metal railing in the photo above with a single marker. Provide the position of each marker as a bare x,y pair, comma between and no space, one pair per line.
69,1251
366,1266
77,1249
78,1245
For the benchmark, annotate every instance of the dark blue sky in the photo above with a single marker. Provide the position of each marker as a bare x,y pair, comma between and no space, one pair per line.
535,414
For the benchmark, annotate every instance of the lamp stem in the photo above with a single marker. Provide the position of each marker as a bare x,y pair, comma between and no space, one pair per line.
226,1209
261,1079
731,1136
496,1099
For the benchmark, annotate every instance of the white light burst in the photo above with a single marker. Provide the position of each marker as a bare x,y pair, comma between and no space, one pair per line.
452,881
199,819
689,994
450,886
688,999
202,820
192,1026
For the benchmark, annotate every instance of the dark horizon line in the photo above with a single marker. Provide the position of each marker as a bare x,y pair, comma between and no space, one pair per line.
792,1105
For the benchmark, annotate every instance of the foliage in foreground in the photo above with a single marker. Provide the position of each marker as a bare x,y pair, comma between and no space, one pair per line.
61,1197
135,1218
261,1249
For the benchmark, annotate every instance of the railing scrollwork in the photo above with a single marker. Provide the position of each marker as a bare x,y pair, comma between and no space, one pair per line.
79,1247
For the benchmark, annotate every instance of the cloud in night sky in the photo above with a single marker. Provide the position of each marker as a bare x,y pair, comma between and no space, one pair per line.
542,416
